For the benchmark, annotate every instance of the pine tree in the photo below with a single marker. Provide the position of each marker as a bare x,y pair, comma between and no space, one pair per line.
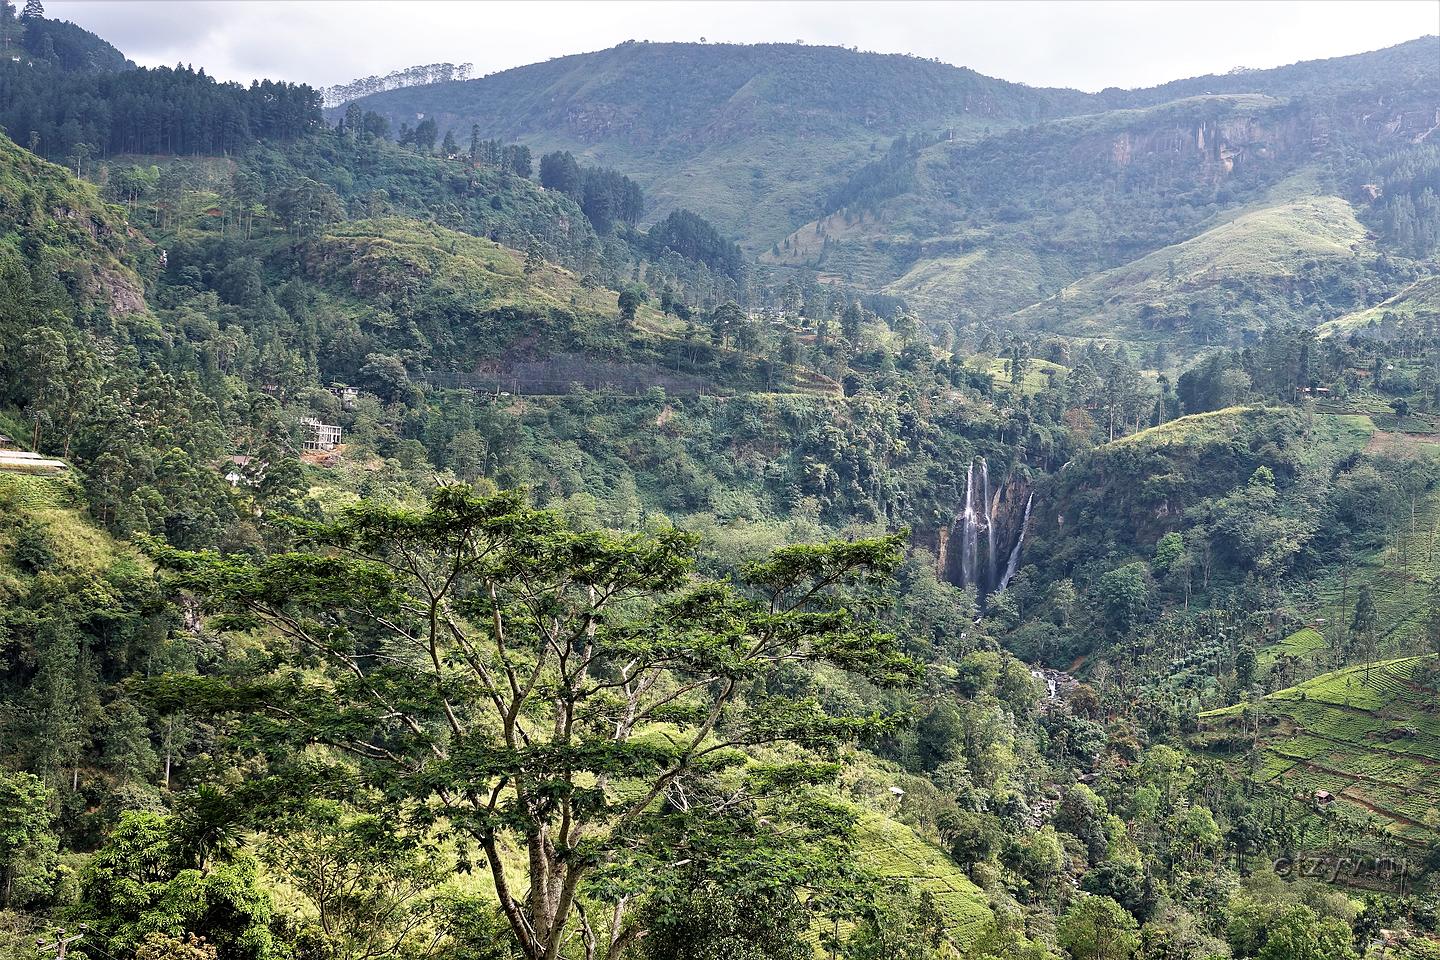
11,30
34,10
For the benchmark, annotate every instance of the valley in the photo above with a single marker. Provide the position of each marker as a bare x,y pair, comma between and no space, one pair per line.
628,507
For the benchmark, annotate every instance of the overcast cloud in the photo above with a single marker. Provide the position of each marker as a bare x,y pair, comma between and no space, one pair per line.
1075,44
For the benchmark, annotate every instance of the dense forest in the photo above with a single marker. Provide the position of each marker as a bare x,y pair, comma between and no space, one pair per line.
425,537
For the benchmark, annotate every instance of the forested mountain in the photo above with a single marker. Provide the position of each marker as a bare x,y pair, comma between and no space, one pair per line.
435,537
1035,216
974,199
729,129
746,135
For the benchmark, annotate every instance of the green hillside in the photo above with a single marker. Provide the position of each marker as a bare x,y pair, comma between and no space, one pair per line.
896,855
448,566
1366,734
1239,275
1417,303
1096,206
58,225
749,136
1135,489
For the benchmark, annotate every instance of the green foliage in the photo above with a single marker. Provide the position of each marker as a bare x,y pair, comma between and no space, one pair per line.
693,238
159,946
68,111
1235,277
1098,928
138,885
373,889
455,726
68,47
27,840
713,923
1276,931
1168,549
1083,815
1124,596
940,736
534,633
903,925
607,197
1362,733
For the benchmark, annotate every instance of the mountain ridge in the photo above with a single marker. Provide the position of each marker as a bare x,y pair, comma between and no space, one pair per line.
729,127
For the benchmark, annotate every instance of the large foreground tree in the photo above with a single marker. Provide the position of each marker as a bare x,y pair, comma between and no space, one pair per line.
576,704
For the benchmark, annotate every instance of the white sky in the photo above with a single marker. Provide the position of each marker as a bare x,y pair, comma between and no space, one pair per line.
1088,45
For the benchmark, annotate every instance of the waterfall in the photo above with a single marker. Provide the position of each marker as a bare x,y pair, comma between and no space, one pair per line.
1014,563
991,571
969,536
967,568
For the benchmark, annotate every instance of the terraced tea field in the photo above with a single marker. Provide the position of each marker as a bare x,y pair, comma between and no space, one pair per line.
1399,573
1302,645
893,851
1368,735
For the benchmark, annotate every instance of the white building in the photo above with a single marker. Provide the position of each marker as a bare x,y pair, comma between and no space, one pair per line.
320,436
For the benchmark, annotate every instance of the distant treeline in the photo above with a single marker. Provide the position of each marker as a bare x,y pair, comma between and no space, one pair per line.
394,80
69,116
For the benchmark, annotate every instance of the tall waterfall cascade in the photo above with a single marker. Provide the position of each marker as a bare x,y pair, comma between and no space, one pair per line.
993,516
1014,562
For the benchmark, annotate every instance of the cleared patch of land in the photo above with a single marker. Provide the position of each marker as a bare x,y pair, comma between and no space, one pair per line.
1197,427
1037,372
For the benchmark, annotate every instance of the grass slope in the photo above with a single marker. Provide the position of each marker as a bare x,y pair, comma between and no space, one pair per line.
992,280
1038,373
385,259
55,507
1419,301
1198,429
1248,266
56,224
892,851
465,300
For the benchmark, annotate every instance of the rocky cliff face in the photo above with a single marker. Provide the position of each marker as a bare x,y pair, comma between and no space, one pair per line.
980,547
1258,131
